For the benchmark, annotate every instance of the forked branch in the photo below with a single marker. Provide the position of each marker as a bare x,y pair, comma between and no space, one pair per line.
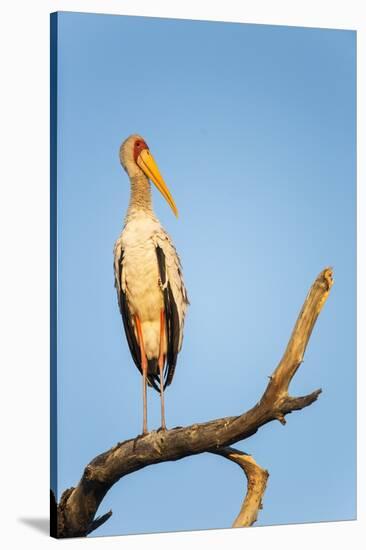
78,505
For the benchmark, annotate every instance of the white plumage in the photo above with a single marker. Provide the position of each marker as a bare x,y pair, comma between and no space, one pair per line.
141,282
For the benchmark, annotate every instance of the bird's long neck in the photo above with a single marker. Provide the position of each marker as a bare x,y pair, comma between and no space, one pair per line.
140,198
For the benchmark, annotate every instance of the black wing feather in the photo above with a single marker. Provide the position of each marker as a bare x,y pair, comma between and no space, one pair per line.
171,319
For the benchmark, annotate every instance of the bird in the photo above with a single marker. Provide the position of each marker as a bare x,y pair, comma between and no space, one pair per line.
151,293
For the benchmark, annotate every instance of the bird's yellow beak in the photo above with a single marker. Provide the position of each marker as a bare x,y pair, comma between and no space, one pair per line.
146,162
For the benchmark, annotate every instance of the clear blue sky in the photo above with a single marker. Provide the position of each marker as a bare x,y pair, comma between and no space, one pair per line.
253,128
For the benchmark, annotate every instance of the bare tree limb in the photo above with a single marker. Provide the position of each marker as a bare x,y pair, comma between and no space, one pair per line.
78,505
256,485
99,521
294,354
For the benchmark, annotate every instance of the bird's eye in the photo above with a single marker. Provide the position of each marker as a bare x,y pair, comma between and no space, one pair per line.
138,143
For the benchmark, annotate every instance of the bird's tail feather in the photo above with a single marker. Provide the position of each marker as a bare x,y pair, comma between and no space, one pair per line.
153,378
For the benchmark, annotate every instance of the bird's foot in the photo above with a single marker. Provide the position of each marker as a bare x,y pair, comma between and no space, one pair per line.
162,429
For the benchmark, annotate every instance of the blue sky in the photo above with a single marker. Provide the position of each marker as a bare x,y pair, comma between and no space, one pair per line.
253,127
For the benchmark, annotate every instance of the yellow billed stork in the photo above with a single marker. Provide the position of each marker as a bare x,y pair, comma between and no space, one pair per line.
148,276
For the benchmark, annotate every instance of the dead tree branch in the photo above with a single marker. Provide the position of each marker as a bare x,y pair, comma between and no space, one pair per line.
78,505
256,485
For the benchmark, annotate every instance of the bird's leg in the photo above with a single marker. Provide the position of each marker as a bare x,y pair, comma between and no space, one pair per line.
161,368
144,373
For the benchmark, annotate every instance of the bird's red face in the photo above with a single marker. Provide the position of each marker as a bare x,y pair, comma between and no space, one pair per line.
145,161
139,146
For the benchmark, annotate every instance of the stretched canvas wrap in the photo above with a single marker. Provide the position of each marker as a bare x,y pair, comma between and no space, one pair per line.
203,254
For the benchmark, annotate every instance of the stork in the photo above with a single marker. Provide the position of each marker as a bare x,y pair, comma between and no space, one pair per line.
148,277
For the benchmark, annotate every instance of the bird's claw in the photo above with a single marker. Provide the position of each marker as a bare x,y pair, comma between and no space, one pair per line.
162,429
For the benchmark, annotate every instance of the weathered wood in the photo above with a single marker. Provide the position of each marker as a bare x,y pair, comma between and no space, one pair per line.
256,485
78,505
